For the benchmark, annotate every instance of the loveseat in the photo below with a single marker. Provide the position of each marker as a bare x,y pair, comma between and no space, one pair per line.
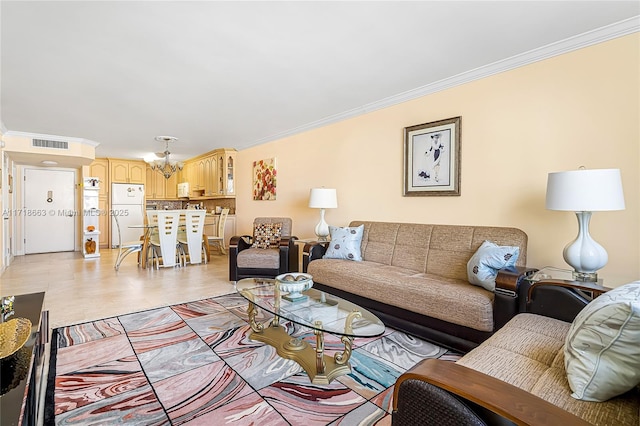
414,278
537,369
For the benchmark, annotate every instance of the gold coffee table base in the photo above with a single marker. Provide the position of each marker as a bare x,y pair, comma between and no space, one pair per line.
320,368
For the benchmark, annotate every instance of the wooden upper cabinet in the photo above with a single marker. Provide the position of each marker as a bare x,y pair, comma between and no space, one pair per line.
211,175
160,188
100,168
126,171
171,187
137,172
226,172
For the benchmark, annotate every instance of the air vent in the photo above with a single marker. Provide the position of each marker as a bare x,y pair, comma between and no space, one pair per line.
44,143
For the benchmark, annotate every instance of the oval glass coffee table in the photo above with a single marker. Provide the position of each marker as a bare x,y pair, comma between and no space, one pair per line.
321,312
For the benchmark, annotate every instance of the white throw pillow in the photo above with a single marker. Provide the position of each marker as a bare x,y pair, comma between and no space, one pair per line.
345,243
602,348
483,267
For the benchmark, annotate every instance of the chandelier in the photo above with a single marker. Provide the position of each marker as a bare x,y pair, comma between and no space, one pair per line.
166,167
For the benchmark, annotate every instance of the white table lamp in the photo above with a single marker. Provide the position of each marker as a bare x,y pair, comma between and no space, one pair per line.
584,191
323,198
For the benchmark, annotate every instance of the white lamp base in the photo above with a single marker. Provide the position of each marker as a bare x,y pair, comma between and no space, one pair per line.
322,228
584,254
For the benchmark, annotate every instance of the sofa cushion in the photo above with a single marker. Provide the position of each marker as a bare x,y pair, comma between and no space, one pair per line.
345,243
483,267
528,352
442,250
259,258
447,299
266,235
602,353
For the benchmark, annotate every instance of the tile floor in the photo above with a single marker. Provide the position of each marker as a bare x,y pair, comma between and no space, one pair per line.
78,291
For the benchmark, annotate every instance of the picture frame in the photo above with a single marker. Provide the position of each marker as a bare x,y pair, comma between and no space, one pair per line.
432,158
264,179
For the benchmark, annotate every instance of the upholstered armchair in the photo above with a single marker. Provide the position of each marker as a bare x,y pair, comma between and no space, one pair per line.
269,252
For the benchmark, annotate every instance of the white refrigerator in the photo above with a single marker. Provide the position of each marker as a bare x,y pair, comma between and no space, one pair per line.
127,201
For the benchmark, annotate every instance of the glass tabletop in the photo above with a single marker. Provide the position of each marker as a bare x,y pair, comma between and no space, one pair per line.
331,310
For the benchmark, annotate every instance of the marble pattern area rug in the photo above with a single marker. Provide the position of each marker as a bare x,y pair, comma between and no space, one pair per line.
194,364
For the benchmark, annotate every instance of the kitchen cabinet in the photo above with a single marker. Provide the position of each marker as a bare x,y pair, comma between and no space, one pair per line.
160,188
99,168
226,170
127,171
200,171
210,188
103,222
211,175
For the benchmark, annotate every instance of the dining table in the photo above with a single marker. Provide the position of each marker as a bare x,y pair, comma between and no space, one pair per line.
146,237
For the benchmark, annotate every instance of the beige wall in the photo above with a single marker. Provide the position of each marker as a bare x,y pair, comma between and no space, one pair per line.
580,108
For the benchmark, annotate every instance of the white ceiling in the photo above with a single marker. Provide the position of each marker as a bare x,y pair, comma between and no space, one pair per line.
237,74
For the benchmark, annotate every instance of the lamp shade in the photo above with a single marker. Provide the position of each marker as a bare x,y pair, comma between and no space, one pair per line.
323,198
585,190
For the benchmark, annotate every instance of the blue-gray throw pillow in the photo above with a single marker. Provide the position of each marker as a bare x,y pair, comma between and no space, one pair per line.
482,268
345,243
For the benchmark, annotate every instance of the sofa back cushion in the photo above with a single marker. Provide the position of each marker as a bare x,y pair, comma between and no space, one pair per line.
442,250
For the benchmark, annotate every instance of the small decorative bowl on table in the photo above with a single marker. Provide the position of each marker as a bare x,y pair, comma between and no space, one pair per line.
294,283
13,335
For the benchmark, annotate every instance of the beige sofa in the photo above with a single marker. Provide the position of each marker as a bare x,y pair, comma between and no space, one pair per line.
414,277
518,374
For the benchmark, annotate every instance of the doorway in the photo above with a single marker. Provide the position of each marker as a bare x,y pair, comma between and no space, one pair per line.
49,210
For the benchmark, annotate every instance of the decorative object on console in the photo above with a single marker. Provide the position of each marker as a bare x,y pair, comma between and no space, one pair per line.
166,167
264,179
432,158
13,335
322,198
584,191
345,243
485,263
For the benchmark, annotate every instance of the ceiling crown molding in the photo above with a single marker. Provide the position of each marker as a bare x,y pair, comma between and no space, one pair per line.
599,35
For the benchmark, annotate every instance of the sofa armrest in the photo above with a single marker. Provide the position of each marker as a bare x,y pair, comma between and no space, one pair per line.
561,299
312,251
237,243
289,259
496,396
509,279
508,300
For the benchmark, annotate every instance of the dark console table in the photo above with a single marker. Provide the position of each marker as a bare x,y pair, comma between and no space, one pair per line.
22,375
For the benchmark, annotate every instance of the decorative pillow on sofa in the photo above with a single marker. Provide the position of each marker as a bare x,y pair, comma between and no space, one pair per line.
266,235
482,268
602,348
345,243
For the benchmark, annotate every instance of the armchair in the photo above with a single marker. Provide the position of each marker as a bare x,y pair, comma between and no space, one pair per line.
246,261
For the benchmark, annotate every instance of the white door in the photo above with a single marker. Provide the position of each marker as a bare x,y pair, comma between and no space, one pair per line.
7,204
49,210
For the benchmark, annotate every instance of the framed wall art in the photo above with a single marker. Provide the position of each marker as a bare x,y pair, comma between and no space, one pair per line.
264,179
432,158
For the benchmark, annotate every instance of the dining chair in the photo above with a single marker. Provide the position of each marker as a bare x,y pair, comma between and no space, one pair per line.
192,238
164,243
125,248
219,239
